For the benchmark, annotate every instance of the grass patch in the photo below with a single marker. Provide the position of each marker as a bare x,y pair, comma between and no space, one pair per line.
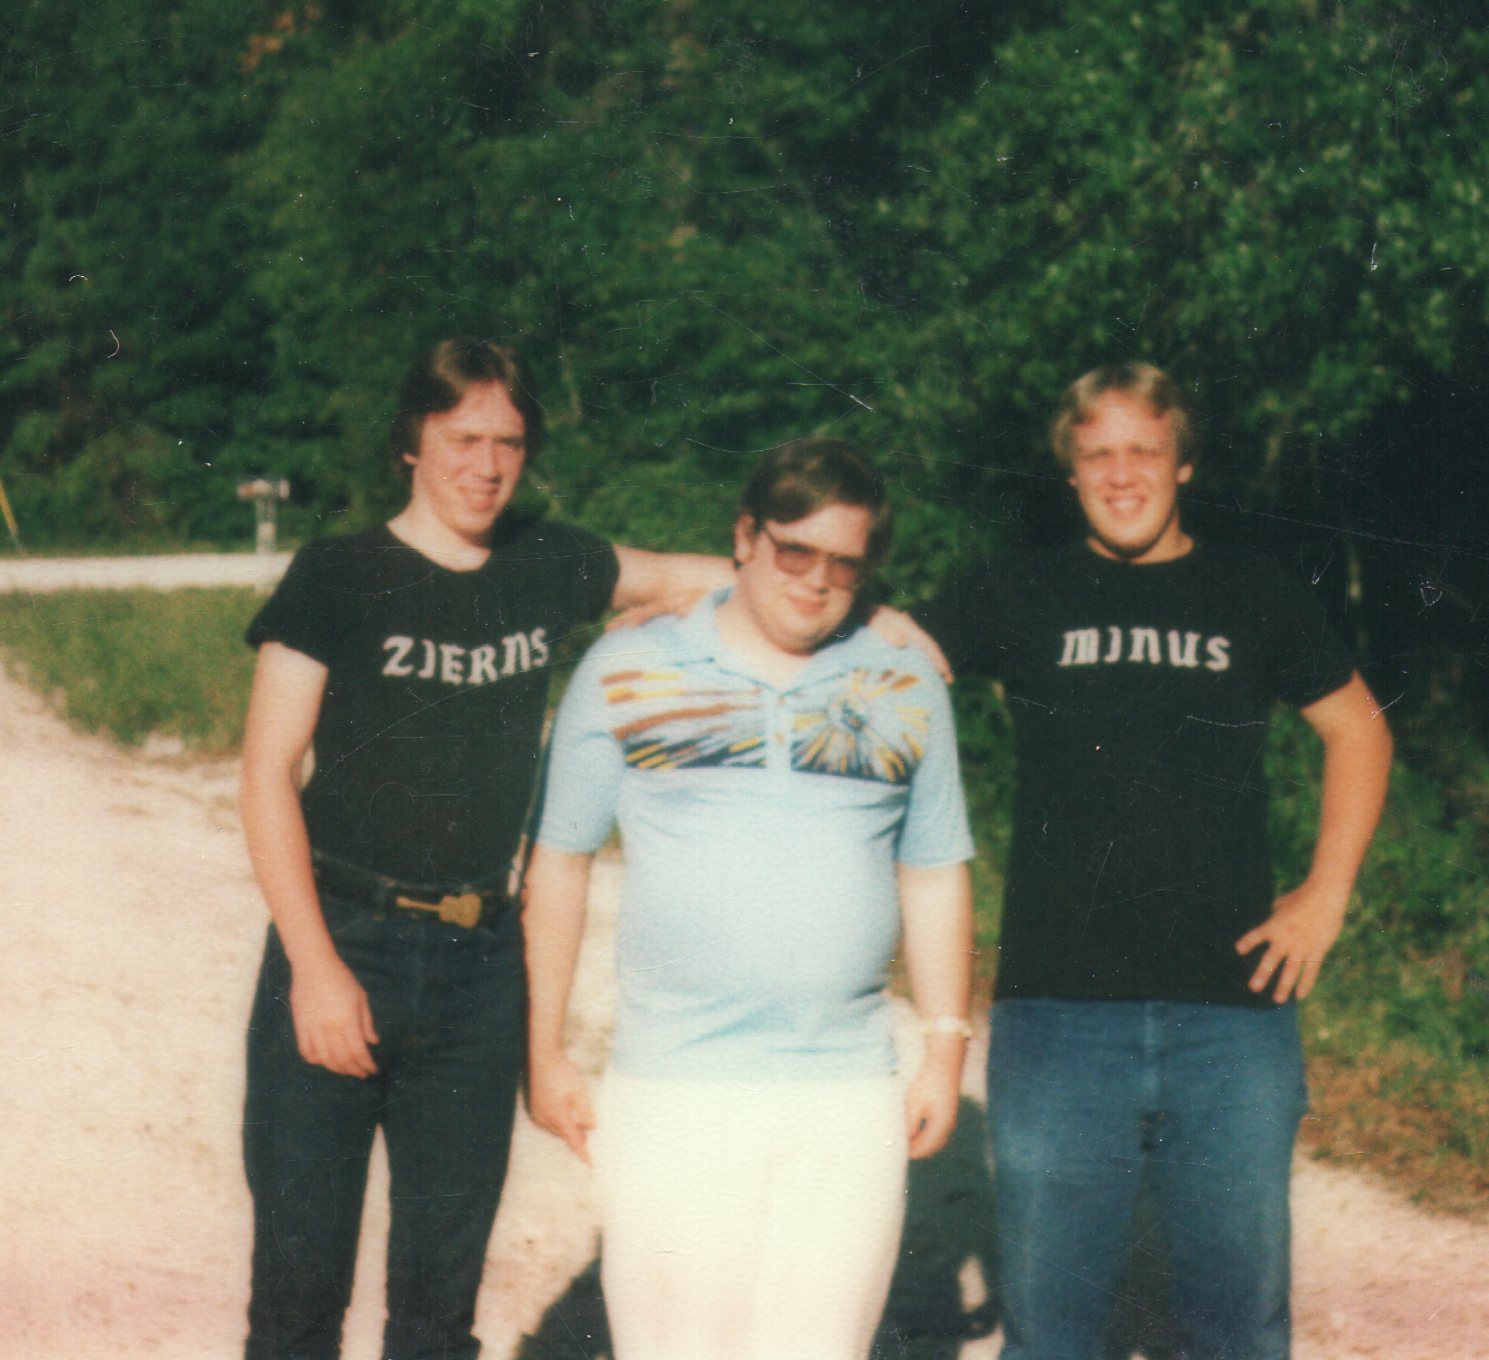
147,546
130,663
1396,1052
1416,1127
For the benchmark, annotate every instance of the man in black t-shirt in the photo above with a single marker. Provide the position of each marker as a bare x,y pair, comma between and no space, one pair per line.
1143,1030
414,658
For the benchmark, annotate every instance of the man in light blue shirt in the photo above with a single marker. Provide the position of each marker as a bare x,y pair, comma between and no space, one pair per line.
787,792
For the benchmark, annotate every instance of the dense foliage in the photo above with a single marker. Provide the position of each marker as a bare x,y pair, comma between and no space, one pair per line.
716,226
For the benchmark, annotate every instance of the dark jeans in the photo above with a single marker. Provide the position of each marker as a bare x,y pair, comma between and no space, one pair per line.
449,1008
1090,1100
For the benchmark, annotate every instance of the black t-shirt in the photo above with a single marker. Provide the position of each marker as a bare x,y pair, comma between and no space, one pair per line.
429,733
1140,696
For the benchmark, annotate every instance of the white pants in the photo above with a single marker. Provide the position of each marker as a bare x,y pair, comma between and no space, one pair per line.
748,1222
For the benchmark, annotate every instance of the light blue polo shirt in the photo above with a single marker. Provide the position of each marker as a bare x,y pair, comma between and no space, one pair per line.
761,830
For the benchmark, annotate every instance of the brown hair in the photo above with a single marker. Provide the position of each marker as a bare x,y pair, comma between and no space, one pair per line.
808,475
1143,382
440,377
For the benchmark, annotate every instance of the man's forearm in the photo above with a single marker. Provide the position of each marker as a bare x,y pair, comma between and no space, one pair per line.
936,906
1305,922
553,925
283,710
1357,766
279,849
651,577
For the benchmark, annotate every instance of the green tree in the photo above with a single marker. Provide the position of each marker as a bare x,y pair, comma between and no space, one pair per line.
128,344
1278,201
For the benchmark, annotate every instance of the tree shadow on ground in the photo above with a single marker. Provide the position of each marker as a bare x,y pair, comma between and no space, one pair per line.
950,1228
574,1327
945,1287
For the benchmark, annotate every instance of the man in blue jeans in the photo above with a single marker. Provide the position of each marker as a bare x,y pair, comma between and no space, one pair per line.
1143,1028
414,658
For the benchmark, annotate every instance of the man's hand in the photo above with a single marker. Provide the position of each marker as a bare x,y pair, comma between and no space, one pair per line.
1301,929
333,1019
932,1099
679,602
558,1100
1305,922
898,629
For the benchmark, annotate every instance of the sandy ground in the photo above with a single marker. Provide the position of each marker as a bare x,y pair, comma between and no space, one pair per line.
130,930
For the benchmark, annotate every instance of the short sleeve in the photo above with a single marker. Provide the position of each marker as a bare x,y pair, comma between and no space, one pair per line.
935,831
308,610
1309,659
580,568
585,765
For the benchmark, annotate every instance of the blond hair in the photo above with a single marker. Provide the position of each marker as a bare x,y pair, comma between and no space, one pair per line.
1142,382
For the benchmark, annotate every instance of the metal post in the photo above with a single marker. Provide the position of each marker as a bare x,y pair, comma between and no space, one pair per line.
265,493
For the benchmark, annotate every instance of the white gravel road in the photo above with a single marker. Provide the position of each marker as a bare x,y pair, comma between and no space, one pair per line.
40,575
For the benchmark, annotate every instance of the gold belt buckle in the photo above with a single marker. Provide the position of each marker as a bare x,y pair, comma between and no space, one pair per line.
462,910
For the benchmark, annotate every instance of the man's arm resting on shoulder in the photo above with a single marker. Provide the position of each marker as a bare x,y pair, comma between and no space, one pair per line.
553,923
1306,921
936,907
333,1020
653,583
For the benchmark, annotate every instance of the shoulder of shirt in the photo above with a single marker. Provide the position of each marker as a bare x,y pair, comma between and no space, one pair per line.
864,647
663,640
1241,563
374,537
346,552
1032,563
528,534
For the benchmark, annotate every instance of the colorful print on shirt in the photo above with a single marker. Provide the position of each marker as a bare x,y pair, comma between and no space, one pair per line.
865,724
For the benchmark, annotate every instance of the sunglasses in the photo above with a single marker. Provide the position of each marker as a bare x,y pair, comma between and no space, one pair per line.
796,559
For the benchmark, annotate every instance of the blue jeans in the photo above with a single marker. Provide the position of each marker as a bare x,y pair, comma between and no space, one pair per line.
449,1008
1088,1101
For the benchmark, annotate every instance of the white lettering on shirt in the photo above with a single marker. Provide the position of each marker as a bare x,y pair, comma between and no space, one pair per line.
451,669
482,665
452,664
1082,647
1144,645
1183,653
399,646
516,653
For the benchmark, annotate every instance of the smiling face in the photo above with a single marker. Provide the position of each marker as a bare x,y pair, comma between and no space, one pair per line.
797,613
1127,474
469,460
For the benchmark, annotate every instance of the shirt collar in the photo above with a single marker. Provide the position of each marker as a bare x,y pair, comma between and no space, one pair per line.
700,642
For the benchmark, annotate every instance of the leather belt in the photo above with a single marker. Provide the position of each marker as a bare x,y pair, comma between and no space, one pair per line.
462,904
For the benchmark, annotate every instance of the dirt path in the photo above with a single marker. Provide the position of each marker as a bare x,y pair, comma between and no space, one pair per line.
43,574
129,929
